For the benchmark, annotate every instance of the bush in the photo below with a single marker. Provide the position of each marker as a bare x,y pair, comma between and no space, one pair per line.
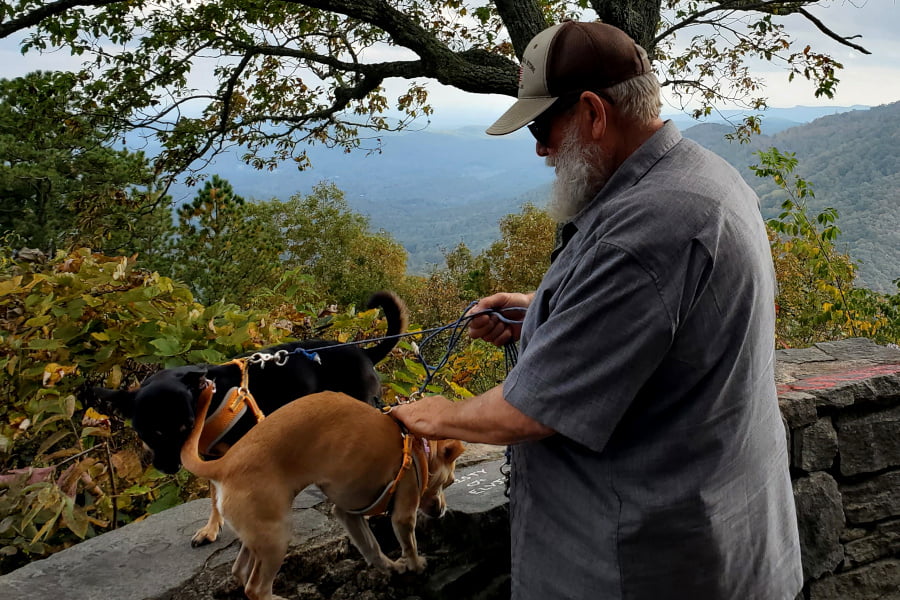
67,471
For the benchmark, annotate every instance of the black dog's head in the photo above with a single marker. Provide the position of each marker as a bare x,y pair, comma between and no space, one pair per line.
161,411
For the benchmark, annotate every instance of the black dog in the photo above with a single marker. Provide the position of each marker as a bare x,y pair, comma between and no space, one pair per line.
162,408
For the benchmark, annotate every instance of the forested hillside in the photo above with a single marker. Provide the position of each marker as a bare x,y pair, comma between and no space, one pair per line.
852,162
434,189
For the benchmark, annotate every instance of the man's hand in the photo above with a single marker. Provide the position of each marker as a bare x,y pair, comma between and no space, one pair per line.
423,418
489,327
487,418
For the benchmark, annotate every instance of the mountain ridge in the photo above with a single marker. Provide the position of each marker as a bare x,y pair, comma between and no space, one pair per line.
432,189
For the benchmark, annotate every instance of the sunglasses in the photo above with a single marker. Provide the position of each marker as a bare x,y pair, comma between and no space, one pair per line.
542,125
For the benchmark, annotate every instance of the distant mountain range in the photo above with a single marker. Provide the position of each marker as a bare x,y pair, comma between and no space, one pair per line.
433,189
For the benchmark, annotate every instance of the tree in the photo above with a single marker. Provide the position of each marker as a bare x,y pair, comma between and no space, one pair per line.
325,239
225,250
519,259
61,184
291,73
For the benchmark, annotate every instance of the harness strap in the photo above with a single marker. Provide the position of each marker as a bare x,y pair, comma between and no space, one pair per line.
235,404
413,455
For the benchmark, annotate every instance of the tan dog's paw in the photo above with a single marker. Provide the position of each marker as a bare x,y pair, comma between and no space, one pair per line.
414,564
203,537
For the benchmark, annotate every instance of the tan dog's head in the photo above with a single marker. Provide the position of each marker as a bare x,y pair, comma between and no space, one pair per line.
441,468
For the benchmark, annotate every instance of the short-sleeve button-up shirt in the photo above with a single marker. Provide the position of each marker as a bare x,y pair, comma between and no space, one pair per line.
649,348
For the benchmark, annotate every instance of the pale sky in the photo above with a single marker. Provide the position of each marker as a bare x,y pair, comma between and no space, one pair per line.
865,80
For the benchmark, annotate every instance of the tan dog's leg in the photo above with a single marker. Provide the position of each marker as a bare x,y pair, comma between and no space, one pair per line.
209,532
265,551
242,565
261,522
364,540
403,522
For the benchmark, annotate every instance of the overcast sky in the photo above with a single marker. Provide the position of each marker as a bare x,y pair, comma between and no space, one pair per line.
865,80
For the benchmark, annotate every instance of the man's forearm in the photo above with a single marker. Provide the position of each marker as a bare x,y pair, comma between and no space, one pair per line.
487,418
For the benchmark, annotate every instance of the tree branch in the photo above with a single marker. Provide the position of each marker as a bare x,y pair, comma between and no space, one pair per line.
50,9
821,27
777,7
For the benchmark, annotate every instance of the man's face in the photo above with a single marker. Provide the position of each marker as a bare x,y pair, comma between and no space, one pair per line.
582,169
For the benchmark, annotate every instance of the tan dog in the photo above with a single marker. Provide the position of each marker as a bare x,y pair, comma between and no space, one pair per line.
353,452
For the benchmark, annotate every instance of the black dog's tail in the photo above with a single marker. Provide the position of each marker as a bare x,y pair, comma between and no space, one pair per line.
397,319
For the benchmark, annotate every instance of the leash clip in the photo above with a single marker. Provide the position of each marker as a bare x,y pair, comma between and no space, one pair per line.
281,357
413,397
259,358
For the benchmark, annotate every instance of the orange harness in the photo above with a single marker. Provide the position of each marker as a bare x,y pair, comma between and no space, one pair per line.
414,453
235,404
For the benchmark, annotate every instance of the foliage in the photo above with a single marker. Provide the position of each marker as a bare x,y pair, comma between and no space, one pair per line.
289,74
332,244
817,300
61,184
519,259
225,248
68,471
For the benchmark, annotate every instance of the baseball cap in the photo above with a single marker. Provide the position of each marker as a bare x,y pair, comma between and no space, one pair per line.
572,56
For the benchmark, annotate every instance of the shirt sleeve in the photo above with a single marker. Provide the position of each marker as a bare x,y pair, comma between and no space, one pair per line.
605,331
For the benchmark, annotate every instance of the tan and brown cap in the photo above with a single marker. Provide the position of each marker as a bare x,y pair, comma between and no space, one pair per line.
566,58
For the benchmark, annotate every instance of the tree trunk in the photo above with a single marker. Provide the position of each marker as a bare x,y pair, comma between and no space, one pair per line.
637,18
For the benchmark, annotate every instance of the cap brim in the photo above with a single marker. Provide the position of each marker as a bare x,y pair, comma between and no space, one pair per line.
523,112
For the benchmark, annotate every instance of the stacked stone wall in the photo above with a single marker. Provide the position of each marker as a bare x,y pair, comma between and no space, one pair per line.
841,406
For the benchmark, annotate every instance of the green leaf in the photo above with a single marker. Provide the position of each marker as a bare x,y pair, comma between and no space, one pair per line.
52,440
39,321
169,497
166,346
41,344
75,518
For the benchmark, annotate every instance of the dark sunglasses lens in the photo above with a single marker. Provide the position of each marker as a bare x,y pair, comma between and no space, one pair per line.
539,131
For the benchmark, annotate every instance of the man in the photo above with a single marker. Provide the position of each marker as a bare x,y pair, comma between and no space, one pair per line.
648,452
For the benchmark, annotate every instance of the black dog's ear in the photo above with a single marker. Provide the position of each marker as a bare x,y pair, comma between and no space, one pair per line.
191,377
121,401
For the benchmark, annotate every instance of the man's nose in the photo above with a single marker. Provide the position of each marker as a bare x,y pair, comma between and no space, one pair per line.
541,150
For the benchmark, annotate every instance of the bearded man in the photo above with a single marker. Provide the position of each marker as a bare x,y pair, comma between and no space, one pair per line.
649,458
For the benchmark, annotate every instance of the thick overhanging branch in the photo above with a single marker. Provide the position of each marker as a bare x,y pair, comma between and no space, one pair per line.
437,60
50,9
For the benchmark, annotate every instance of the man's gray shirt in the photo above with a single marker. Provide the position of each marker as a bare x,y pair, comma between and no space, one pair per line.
649,348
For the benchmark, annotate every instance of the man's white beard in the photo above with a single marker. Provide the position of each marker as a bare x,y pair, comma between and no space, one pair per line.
581,172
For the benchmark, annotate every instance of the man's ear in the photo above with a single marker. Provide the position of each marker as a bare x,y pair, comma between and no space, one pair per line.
191,377
598,114
121,401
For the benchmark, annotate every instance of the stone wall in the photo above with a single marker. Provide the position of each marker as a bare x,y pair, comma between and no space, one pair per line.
841,406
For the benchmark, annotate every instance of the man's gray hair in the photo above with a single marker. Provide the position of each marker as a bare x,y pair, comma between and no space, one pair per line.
638,98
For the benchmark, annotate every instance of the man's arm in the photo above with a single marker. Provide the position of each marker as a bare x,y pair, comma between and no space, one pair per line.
487,419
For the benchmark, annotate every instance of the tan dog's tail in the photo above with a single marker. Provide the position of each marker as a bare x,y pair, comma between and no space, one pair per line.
190,451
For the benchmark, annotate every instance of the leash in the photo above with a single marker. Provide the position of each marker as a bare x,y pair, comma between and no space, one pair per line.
456,327
456,333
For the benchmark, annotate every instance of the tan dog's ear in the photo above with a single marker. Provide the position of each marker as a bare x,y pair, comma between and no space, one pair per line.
452,450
